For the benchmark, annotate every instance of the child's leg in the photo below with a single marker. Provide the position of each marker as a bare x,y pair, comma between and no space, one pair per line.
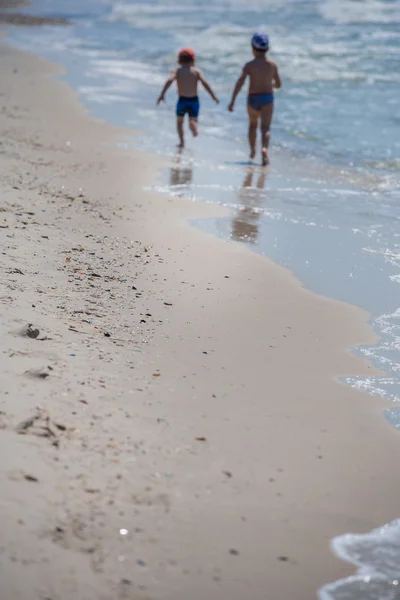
194,126
179,126
266,118
253,122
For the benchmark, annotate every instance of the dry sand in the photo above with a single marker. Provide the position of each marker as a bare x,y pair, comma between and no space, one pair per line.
175,430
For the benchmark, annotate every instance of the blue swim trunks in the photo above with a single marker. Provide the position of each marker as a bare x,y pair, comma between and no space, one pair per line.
257,101
190,106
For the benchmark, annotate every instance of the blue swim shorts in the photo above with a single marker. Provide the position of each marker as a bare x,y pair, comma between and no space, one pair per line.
257,101
190,106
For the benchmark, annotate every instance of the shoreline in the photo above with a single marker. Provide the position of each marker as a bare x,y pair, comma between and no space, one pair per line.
216,331
17,18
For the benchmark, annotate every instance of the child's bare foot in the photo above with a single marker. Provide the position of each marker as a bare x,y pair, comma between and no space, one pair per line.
252,153
194,127
264,157
181,145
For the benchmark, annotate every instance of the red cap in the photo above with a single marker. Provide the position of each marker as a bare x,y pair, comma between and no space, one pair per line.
187,52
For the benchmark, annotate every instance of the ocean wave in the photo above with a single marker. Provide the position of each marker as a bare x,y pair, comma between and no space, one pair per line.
389,255
384,354
369,11
127,11
376,554
128,69
98,95
163,16
391,164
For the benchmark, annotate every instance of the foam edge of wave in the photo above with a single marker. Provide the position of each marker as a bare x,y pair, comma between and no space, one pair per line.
376,555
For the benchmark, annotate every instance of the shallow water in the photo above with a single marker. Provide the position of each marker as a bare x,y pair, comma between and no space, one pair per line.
327,208
376,555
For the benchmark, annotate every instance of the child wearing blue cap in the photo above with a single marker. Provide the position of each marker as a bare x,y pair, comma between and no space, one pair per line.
264,77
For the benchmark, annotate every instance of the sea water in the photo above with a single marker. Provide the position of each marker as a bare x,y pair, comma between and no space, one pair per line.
328,208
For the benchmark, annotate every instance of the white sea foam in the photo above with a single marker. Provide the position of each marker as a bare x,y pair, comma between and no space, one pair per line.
98,95
376,554
386,354
127,69
389,255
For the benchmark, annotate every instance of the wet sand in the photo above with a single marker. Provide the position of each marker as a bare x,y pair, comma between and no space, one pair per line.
29,20
13,4
17,18
171,426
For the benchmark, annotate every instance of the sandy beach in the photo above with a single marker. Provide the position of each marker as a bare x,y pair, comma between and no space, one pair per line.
171,423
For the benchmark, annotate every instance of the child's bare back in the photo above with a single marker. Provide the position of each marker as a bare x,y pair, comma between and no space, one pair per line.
187,78
262,75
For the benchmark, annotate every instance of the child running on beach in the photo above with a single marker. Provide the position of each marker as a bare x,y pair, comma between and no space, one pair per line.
264,76
187,77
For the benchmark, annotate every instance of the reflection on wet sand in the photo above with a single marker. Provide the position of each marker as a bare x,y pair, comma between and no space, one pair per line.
245,222
181,171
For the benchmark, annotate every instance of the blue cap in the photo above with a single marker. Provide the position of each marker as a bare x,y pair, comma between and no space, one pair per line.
260,41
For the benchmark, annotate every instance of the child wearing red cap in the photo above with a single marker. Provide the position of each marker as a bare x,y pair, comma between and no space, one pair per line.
187,77
263,78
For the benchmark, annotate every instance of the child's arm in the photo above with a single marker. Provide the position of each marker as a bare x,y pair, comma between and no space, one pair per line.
238,87
167,85
207,87
277,79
